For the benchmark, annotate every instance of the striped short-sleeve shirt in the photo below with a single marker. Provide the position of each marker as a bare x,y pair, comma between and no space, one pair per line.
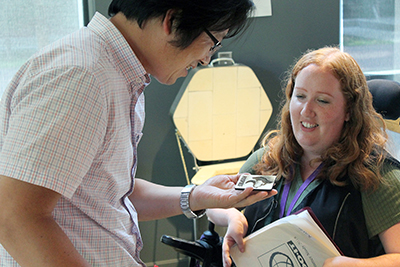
70,121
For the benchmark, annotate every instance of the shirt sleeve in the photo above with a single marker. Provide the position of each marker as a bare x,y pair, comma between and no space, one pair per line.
52,132
251,161
382,207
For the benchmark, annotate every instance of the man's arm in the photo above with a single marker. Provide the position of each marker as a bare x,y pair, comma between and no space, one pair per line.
27,229
154,201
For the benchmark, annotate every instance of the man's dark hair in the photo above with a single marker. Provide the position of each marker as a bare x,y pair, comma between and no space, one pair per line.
191,17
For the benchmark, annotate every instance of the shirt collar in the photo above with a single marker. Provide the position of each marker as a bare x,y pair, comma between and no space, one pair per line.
124,57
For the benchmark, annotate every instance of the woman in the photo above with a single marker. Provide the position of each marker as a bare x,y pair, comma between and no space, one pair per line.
329,154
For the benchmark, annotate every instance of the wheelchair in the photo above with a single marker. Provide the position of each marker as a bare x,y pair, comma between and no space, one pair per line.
205,252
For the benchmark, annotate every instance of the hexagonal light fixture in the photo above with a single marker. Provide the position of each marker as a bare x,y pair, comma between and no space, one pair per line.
221,112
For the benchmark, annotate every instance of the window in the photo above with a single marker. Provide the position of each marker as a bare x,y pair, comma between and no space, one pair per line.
371,34
28,25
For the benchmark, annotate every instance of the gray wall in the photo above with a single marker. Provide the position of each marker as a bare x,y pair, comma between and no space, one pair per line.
269,47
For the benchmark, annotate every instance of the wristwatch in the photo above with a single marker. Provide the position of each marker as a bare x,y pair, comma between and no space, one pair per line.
184,201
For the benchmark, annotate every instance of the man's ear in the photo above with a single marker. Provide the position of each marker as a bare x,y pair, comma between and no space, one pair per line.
169,21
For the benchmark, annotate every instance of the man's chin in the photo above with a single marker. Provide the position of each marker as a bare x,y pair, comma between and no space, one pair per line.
170,80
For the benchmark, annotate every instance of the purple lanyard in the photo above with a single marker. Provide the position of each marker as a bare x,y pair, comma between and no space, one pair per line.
286,189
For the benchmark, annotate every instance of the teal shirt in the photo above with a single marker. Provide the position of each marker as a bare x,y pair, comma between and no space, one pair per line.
381,207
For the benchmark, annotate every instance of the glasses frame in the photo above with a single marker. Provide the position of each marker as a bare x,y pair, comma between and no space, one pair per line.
217,44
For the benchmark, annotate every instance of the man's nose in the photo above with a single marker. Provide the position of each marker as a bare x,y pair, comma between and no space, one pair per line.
205,60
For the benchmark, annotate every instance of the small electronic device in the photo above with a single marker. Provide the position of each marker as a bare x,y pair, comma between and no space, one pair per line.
258,182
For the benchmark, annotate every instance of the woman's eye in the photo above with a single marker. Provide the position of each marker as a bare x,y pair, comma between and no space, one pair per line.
300,96
323,101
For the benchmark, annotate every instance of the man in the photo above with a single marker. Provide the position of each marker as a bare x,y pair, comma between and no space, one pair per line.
70,123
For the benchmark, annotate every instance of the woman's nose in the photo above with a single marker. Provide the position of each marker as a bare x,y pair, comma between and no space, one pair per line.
308,109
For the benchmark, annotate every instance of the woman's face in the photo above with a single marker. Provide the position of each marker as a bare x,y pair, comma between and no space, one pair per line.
317,110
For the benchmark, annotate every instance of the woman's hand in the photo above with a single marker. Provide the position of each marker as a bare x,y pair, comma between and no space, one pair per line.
237,228
341,261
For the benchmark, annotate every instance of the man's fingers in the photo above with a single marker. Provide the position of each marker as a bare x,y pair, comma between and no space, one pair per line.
253,198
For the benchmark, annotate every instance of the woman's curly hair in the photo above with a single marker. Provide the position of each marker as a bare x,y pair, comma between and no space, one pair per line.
359,153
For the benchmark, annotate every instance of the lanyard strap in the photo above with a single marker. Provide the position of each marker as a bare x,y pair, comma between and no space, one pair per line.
286,189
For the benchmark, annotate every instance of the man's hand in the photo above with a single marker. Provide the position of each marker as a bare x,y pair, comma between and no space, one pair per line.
220,192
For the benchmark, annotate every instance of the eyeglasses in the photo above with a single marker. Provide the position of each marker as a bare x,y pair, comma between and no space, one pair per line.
217,44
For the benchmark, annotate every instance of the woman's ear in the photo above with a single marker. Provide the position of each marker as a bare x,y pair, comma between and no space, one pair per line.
347,117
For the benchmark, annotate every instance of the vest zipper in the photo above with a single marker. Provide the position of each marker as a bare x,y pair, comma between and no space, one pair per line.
338,215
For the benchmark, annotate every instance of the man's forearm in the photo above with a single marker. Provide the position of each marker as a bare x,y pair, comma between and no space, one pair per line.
153,201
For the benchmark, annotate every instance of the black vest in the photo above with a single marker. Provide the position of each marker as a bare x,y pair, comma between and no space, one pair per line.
339,210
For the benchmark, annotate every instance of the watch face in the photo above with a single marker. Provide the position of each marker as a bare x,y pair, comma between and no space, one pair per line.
184,201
